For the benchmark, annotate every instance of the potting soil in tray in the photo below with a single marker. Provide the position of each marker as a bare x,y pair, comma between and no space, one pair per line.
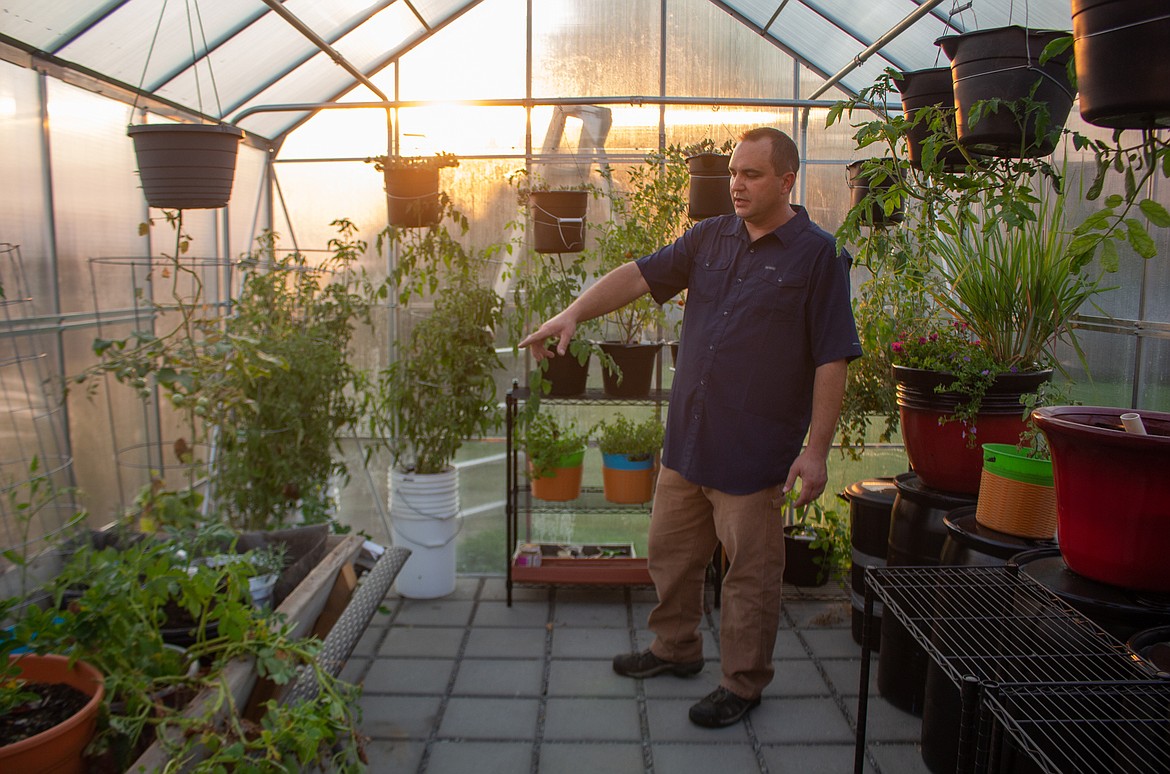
57,703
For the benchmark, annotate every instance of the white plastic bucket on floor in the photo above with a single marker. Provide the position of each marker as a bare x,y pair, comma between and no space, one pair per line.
424,517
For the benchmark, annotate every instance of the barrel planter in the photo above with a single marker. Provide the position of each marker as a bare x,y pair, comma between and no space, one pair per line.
558,220
710,190
1112,494
940,447
1004,63
871,504
186,166
1123,75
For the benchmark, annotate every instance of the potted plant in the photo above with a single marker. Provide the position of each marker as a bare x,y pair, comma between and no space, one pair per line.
439,391
644,218
816,545
413,198
556,453
186,166
629,455
710,180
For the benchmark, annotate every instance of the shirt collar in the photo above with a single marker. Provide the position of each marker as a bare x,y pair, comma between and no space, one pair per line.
785,234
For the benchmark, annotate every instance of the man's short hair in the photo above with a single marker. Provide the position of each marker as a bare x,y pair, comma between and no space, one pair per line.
785,157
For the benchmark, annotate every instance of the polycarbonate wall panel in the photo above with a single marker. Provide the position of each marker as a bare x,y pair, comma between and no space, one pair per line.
1154,377
600,48
489,40
870,21
23,218
43,24
1106,377
709,53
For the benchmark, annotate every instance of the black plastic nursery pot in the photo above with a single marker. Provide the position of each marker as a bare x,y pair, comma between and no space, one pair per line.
803,562
558,220
931,87
412,196
1004,63
1123,74
636,362
710,191
186,166
859,187
567,377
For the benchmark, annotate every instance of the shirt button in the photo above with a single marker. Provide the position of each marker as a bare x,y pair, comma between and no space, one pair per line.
739,279
725,313
711,347
703,382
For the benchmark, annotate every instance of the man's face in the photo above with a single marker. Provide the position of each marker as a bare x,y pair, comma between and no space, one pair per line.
757,192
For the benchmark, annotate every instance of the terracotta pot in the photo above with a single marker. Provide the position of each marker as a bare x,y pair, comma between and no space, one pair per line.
1112,494
628,481
710,190
941,454
558,220
186,166
1122,75
412,195
1004,63
563,482
59,749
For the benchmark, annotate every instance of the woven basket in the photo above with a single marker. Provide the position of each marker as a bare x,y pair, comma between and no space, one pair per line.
1016,507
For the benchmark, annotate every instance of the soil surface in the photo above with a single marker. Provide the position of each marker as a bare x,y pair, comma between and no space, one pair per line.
57,703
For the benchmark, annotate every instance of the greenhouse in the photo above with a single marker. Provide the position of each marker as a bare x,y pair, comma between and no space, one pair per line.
283,354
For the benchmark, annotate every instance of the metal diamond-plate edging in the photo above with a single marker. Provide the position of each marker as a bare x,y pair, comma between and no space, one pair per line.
342,639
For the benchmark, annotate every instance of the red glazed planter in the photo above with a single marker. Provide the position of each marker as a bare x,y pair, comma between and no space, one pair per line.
940,453
1112,494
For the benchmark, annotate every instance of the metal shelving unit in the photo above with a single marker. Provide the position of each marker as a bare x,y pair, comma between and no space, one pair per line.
611,572
1028,667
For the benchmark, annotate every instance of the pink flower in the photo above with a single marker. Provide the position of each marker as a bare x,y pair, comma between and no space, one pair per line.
897,347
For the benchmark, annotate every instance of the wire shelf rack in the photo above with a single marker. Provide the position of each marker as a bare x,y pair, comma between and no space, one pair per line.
1007,642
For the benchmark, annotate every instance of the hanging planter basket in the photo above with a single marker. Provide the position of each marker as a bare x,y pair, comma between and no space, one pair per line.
1122,72
859,187
558,220
1004,64
710,191
928,88
186,166
412,195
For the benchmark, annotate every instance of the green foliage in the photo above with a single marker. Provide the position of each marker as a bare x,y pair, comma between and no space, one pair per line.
438,161
268,380
649,214
829,528
441,388
638,440
545,441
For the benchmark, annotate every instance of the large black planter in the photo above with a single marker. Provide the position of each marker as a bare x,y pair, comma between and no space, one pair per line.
558,220
412,195
566,376
1123,73
710,191
186,166
928,88
636,362
860,182
1004,63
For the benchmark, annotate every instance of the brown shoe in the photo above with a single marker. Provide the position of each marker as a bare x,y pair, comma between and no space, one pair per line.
721,708
646,664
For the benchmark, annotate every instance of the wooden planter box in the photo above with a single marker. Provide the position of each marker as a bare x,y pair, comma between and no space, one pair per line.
302,607
595,565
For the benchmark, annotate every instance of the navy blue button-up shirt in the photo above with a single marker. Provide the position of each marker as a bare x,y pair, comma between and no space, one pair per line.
759,318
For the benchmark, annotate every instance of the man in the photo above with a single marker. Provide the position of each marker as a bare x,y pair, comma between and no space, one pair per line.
767,334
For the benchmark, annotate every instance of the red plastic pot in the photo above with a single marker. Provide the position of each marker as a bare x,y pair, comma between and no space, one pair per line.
1112,494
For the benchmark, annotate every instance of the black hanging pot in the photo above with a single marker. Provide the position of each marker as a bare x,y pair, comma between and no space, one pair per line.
1004,64
1123,73
860,182
710,192
412,196
922,89
558,220
186,166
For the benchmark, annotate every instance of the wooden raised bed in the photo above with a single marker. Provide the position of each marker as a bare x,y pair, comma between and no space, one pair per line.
593,565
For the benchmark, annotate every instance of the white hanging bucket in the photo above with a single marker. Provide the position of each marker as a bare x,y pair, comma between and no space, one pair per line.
424,517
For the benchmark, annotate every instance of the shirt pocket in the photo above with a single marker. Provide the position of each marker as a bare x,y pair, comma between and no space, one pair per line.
708,278
778,296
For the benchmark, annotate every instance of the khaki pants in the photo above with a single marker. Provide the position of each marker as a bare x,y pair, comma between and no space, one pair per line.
686,524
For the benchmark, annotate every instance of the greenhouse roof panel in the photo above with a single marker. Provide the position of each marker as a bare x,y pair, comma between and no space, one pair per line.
260,56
